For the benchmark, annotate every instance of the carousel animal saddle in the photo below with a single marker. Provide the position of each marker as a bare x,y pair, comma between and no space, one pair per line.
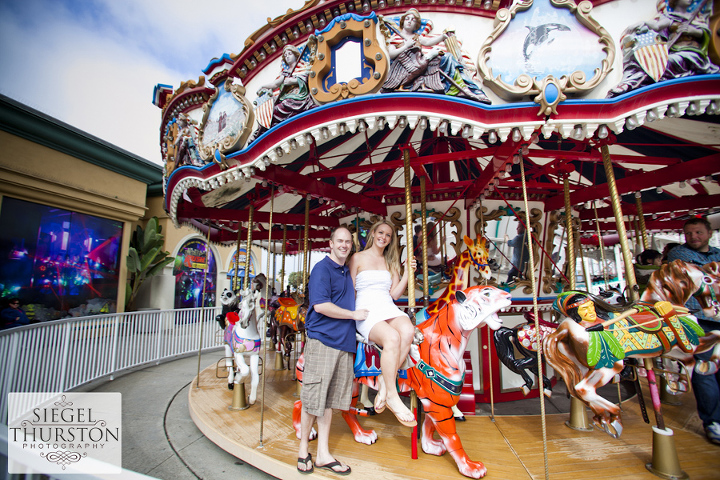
663,320
288,312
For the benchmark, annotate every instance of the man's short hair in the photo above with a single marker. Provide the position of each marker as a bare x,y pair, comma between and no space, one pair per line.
332,232
698,221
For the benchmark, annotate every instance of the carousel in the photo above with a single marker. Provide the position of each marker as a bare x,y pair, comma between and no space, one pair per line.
525,152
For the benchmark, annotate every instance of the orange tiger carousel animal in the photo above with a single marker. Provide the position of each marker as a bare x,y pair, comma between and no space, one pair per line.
438,373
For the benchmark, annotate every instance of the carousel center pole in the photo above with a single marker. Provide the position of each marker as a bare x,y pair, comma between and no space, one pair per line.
578,415
665,461
411,282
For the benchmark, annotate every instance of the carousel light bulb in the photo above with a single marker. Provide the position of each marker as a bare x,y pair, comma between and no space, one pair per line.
692,109
402,122
516,159
293,144
631,123
366,6
654,216
535,138
525,149
309,139
487,4
381,4
308,197
638,195
443,127
578,132
296,32
508,167
651,116
451,2
264,183
321,20
516,135
468,3
361,126
325,133
603,132
342,129
466,131
309,25
672,111
708,178
423,123
683,184
659,190
492,136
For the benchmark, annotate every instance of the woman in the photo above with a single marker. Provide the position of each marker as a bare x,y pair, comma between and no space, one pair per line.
646,264
376,274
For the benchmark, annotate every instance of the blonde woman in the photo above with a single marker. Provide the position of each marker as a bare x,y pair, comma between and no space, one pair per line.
376,274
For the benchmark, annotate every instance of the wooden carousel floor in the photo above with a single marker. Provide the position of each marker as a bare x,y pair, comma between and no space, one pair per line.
511,447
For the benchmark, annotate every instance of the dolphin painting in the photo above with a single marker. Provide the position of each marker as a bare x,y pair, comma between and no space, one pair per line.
537,36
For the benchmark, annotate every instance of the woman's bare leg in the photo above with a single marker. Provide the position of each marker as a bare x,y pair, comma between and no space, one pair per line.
394,345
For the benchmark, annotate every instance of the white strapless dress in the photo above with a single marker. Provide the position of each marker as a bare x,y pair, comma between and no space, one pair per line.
372,289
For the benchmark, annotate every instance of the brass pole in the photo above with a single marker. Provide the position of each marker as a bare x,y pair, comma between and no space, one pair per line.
617,210
570,260
305,247
408,232
284,251
235,284
423,222
248,246
641,218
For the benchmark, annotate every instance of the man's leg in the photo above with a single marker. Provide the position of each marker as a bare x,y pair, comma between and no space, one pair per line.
306,423
707,395
323,450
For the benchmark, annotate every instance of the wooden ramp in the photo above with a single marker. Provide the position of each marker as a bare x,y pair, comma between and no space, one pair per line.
511,447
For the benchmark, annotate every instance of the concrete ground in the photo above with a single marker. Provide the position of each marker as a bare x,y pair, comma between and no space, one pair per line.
160,440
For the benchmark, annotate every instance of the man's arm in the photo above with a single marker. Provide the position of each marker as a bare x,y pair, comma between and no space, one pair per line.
331,310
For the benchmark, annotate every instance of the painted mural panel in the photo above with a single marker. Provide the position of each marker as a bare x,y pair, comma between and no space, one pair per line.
194,267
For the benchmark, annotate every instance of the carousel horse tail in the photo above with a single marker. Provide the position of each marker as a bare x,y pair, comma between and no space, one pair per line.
568,369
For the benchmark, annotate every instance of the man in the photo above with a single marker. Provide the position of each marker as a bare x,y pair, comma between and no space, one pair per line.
521,254
697,250
13,316
328,374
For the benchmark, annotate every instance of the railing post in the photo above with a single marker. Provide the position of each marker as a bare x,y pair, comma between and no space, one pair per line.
113,352
9,375
158,348
65,354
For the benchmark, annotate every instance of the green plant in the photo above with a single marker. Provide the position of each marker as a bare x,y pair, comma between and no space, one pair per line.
146,258
295,280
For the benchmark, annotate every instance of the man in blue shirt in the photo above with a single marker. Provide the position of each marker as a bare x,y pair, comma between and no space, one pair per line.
13,316
697,250
328,374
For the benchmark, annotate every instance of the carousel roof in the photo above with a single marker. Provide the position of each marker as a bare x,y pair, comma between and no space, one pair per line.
346,158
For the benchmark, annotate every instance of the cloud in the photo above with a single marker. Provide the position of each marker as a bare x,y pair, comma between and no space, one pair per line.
94,63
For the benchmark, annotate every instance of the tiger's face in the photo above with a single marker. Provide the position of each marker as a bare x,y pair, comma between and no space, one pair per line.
480,304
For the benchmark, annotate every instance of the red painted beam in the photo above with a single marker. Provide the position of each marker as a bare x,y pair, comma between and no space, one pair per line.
305,184
694,202
188,211
503,156
700,167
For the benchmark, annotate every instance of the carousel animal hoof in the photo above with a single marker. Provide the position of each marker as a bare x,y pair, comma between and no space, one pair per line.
231,386
547,392
525,390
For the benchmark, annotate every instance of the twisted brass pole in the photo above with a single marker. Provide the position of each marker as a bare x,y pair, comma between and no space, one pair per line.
265,315
408,232
641,220
284,251
570,261
248,246
617,211
423,216
602,246
305,248
235,285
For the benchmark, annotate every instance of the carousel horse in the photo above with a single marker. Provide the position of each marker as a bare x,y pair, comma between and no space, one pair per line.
290,319
438,372
588,358
523,338
243,340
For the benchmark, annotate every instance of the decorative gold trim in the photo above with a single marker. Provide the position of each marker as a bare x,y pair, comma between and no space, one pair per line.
373,54
574,83
226,144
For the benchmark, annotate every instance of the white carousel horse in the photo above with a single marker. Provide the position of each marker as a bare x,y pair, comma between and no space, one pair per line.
242,339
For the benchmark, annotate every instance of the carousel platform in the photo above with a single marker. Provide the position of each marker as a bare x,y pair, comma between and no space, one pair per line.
510,446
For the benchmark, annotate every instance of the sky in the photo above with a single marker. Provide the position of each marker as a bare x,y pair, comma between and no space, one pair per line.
94,63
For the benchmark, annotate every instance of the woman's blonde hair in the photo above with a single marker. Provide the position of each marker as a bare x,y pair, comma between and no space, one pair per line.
391,252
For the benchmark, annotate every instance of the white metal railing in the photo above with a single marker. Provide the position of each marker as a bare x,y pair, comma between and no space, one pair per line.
60,355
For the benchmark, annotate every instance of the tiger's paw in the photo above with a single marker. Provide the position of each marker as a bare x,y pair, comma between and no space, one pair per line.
432,446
